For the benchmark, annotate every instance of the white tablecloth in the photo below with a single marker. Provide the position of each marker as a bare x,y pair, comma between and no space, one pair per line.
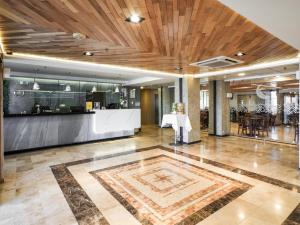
177,121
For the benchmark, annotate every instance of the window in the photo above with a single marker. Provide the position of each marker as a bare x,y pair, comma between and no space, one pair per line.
204,99
274,102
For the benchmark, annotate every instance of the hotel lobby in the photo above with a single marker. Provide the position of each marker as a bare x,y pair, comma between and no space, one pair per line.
128,112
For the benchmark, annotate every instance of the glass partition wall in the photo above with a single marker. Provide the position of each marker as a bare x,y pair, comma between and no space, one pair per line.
272,115
23,95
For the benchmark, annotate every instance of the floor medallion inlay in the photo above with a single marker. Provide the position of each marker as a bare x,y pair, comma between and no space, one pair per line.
163,190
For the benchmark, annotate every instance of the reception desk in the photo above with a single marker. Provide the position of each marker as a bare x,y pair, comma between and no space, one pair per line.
24,132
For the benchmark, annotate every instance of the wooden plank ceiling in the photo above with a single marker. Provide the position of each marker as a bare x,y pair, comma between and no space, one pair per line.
174,34
266,84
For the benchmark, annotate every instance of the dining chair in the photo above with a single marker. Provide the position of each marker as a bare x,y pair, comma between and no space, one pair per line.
272,121
240,123
262,126
246,125
296,137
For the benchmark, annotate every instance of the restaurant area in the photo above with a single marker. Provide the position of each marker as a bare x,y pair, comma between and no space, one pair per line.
260,108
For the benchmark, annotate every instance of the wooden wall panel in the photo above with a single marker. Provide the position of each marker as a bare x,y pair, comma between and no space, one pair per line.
148,106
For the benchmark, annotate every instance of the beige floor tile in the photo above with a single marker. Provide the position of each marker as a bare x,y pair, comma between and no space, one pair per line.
31,194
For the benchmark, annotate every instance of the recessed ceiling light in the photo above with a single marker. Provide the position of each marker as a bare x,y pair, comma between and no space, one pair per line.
240,54
241,74
278,76
135,19
88,53
78,36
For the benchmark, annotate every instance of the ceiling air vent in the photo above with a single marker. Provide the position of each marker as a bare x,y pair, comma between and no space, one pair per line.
218,62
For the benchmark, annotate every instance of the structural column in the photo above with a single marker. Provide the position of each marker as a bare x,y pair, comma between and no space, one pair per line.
190,96
219,110
298,78
166,100
1,121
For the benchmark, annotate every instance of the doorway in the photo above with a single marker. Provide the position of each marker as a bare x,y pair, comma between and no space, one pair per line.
149,106
156,109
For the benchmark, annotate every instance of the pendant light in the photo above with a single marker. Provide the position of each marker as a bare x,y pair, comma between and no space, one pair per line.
68,88
94,89
36,86
117,89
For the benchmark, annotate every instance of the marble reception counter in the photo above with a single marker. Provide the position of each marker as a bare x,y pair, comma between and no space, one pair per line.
22,132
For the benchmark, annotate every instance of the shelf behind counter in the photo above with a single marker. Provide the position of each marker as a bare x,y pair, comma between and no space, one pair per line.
34,131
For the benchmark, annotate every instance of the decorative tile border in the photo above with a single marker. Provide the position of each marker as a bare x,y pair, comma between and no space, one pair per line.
294,217
86,212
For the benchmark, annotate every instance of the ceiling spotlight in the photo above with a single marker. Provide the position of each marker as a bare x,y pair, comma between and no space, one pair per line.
135,19
278,76
240,54
78,36
241,74
142,87
88,53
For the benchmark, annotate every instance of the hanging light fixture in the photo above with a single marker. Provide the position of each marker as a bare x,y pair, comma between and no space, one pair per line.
117,89
35,86
68,88
94,89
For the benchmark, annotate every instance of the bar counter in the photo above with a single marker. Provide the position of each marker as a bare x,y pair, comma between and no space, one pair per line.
34,131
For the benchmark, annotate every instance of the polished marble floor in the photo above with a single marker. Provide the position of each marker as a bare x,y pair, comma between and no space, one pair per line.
142,180
280,133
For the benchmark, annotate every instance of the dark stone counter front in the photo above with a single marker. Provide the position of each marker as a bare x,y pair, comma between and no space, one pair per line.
31,132
48,114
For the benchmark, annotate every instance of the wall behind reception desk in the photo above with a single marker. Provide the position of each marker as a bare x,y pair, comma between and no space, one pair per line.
19,96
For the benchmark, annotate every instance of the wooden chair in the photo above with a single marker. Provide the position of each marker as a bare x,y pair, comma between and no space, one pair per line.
240,123
262,126
204,119
296,138
244,125
272,121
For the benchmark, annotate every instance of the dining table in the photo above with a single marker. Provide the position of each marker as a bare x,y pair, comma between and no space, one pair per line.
254,121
